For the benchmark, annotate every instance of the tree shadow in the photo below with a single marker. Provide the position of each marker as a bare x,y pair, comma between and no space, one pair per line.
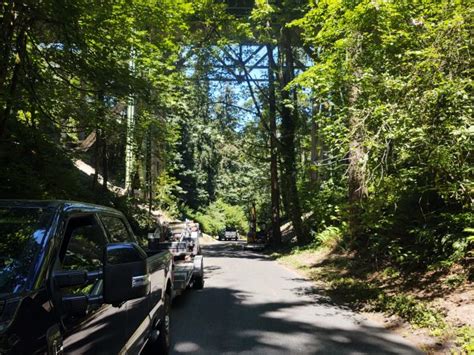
231,250
223,320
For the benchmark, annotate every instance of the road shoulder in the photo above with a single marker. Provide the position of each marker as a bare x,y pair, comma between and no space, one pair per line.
436,322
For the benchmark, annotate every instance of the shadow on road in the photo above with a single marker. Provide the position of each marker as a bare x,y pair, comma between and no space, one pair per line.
218,320
231,250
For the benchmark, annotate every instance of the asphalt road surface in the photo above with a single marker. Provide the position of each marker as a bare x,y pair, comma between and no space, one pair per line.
253,305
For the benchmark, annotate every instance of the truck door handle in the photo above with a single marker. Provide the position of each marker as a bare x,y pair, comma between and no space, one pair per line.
140,280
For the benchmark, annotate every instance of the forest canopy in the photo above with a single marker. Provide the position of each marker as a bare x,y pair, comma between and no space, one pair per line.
357,115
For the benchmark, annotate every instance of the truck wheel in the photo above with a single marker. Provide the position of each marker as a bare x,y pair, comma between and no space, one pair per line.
198,283
162,345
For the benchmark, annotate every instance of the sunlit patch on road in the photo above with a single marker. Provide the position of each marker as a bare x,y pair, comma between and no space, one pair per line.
186,347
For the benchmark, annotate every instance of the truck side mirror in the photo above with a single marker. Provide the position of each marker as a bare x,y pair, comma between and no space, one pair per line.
125,273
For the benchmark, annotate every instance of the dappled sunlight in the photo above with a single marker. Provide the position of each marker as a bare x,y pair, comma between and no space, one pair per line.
186,347
237,313
263,327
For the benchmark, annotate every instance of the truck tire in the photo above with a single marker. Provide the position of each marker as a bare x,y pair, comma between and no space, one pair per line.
198,283
162,345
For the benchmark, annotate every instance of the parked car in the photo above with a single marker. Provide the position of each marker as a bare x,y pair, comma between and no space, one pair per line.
74,280
230,233
257,240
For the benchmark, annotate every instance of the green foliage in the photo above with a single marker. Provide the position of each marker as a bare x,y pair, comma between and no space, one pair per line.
38,169
413,73
465,339
454,281
66,75
329,237
219,215
364,294
407,307
165,196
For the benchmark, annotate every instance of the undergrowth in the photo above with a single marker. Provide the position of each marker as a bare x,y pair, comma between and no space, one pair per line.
371,297
465,339
352,280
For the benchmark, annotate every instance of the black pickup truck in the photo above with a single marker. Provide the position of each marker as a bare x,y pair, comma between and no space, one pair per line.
74,280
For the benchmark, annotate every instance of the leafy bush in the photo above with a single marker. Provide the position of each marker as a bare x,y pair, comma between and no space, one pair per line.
465,339
361,293
218,215
329,237
407,307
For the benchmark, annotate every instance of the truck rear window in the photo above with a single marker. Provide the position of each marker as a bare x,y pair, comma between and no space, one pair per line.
22,232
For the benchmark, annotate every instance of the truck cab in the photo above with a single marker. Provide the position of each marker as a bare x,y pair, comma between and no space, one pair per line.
230,233
73,279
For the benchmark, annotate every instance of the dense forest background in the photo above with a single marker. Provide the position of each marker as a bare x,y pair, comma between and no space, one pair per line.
371,143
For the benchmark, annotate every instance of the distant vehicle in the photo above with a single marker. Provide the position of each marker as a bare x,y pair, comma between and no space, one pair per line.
230,233
257,240
73,279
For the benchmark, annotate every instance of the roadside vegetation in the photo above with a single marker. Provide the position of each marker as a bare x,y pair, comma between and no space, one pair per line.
414,298
219,215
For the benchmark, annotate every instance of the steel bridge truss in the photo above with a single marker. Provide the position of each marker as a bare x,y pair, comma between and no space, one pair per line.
238,63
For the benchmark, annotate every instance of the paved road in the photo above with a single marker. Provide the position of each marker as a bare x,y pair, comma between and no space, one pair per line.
252,305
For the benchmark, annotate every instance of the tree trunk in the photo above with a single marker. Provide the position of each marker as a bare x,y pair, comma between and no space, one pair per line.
130,143
274,186
148,170
253,221
105,162
357,190
289,117
97,144
101,143
314,169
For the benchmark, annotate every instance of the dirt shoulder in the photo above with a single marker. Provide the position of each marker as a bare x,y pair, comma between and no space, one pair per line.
207,239
433,310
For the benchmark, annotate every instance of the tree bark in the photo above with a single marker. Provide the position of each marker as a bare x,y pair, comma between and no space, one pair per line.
289,121
253,221
97,143
357,190
105,162
148,170
314,169
274,185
